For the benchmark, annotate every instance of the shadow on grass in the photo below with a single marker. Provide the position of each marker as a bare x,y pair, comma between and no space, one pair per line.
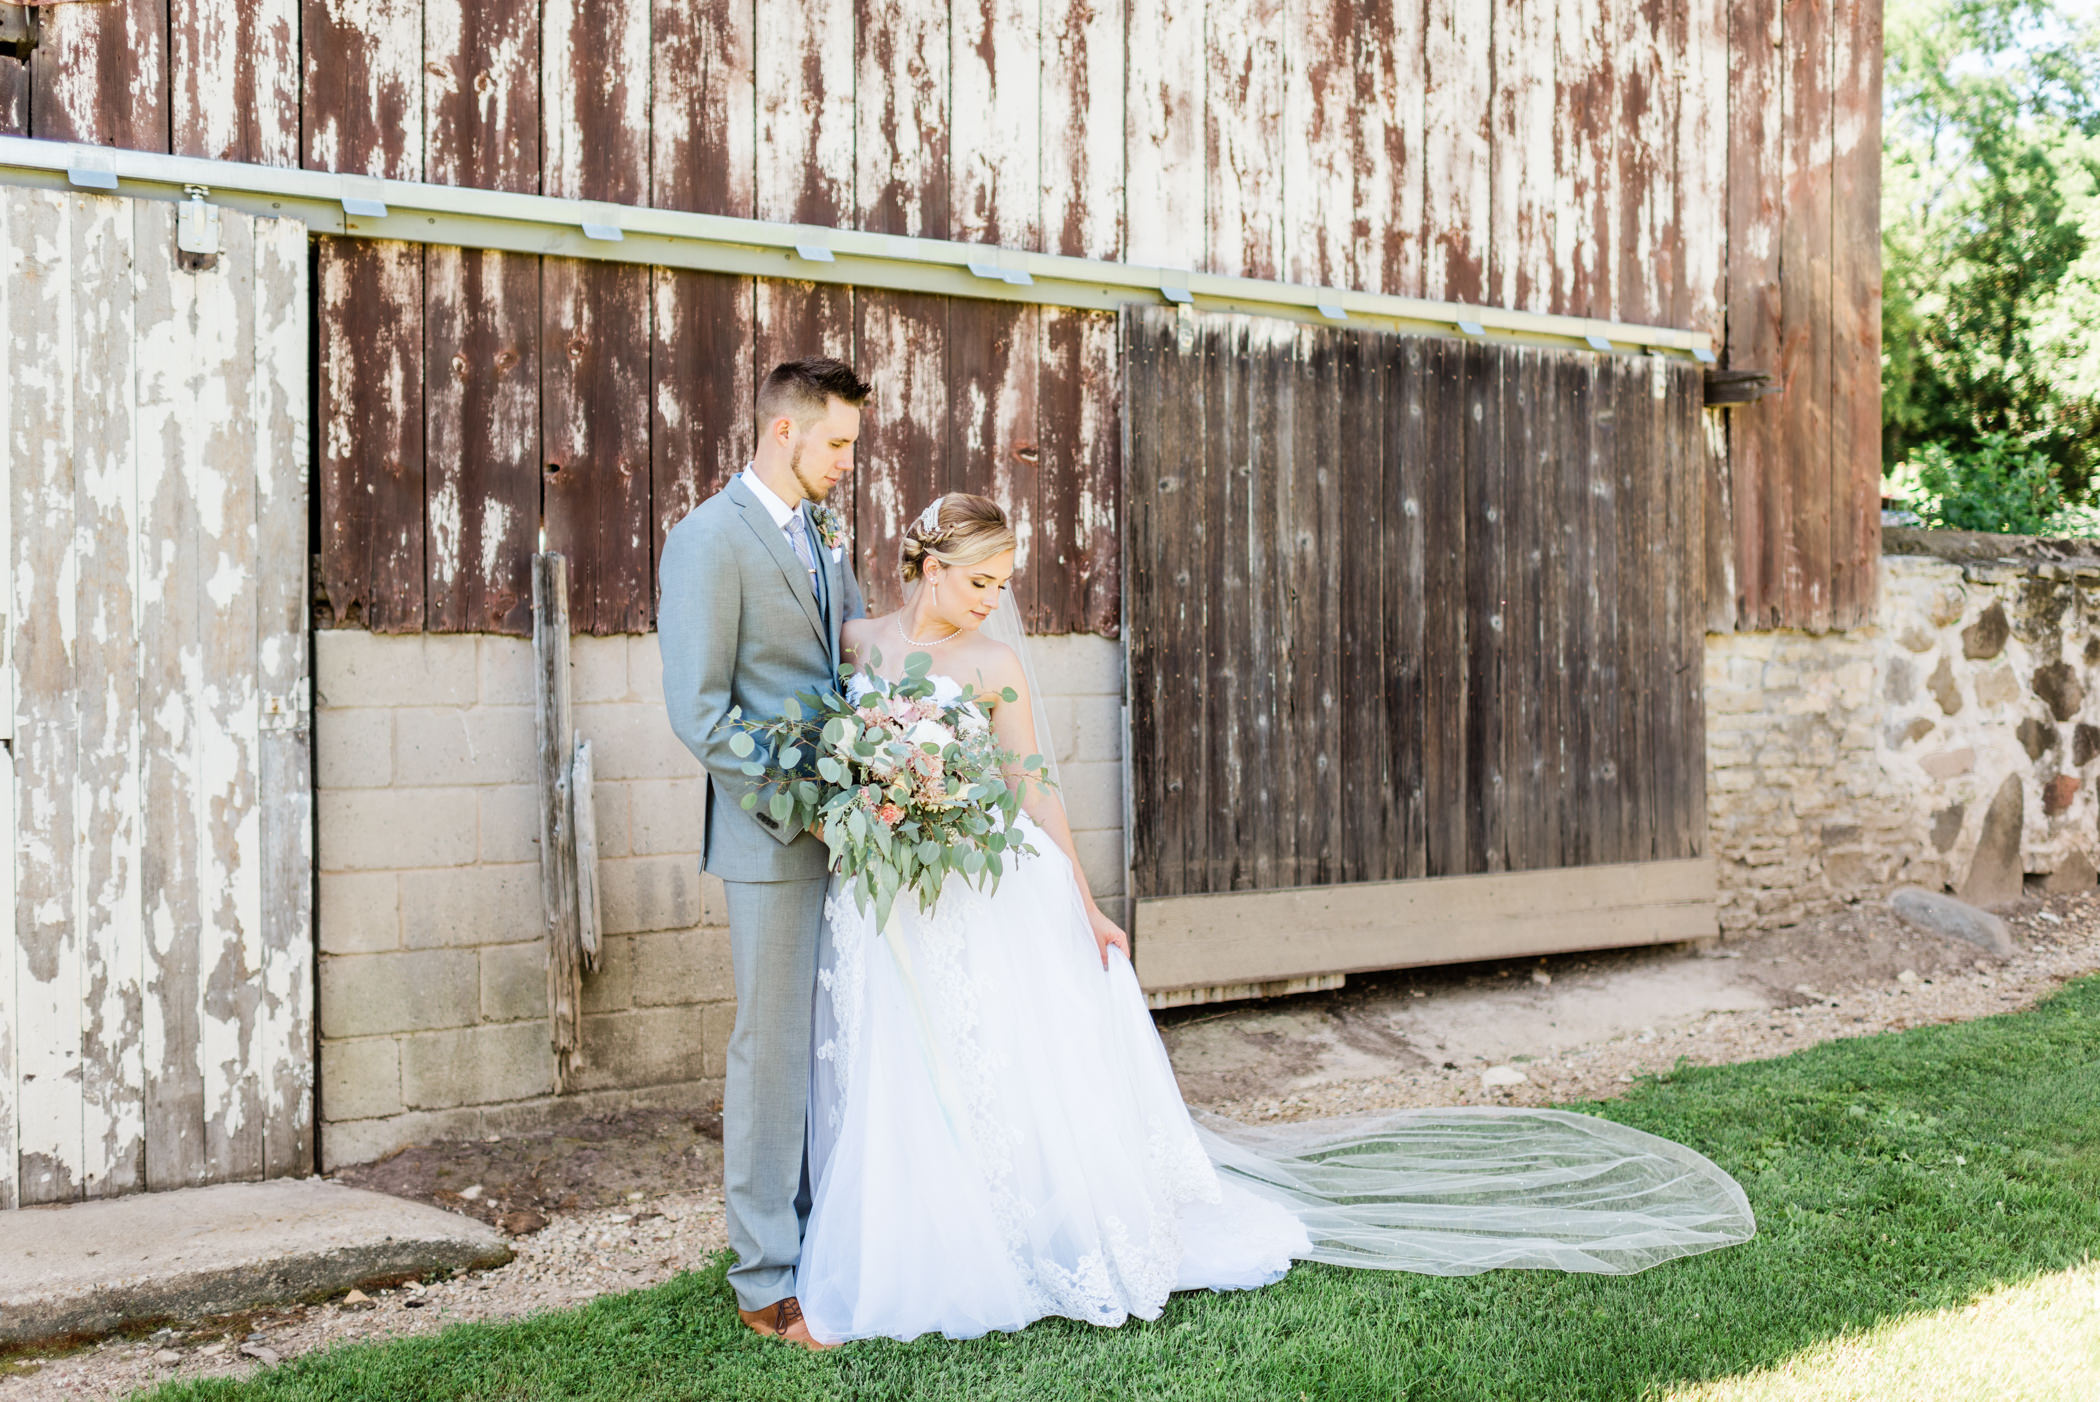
1891,1175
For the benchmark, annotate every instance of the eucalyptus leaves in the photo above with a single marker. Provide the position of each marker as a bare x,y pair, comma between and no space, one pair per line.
903,788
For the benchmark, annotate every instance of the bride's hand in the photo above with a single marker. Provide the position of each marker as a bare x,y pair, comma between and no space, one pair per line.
1106,933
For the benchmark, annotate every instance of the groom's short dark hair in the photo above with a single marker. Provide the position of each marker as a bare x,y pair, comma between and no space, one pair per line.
800,389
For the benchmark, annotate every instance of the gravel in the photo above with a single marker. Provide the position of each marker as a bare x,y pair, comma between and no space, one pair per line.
1844,976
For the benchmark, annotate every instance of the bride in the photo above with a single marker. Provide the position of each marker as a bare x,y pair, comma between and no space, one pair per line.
995,1133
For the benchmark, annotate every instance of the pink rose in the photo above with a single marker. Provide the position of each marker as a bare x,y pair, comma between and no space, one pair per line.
890,814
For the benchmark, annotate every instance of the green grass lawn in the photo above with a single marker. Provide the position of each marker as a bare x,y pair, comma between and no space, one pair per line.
1892,1176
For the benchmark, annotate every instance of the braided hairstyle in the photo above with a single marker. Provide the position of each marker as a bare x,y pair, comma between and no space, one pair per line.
957,529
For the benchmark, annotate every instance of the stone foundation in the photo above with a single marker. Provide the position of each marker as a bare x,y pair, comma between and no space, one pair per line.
433,998
1952,745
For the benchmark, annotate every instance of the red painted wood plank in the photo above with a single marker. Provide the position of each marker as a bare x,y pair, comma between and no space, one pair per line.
1082,129
1801,546
482,439
1521,122
794,319
1702,166
235,71
364,87
482,94
482,324
900,179
100,75
1244,152
703,135
901,463
1079,476
594,74
703,113
368,316
1755,192
1855,479
1321,110
804,60
993,449
1164,159
594,438
1391,91
596,343
1644,122
1585,222
700,431
1456,142
995,128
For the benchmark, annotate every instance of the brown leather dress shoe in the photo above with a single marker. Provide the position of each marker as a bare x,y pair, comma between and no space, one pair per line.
782,1320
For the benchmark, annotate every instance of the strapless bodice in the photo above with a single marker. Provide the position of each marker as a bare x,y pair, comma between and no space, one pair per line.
946,689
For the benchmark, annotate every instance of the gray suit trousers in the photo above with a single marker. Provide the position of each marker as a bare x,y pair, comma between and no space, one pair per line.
776,929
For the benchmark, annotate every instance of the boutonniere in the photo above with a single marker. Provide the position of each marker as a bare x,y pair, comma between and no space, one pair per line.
831,529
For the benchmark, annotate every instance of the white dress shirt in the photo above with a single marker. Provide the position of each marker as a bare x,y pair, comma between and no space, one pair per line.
779,510
793,522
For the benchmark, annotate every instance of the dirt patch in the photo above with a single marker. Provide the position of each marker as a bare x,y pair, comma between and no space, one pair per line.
1581,1027
518,1181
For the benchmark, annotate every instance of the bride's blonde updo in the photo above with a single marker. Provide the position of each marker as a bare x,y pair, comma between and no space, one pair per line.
958,529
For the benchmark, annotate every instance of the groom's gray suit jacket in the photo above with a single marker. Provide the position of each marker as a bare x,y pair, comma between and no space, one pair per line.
739,626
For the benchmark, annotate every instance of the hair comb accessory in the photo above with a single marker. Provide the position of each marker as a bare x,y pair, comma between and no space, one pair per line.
929,519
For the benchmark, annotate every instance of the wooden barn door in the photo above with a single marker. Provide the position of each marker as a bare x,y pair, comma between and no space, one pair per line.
155,982
1415,633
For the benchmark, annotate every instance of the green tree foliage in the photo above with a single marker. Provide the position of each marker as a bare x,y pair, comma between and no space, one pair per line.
1991,250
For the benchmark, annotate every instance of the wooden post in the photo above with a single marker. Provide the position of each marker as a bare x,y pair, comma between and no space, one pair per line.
550,653
585,815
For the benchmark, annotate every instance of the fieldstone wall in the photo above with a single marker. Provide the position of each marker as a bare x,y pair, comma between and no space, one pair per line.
433,1000
1952,745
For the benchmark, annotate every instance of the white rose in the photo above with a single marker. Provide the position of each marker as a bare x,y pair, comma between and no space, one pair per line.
931,732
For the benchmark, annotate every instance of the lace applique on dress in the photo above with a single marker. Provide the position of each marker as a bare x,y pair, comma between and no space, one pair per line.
846,982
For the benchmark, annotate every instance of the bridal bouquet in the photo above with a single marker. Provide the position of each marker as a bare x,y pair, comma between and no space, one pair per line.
903,789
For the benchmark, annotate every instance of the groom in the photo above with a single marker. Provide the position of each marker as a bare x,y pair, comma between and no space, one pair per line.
755,587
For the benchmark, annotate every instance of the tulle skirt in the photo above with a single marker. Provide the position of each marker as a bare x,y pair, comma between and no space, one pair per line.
996,1136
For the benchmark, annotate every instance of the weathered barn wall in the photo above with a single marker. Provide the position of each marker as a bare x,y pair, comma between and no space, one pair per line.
433,1007
1687,162
1963,720
431,510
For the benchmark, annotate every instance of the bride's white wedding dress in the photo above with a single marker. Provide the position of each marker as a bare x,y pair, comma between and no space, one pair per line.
995,1135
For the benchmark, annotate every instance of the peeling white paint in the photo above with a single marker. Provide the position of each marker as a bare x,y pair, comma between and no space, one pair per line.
141,713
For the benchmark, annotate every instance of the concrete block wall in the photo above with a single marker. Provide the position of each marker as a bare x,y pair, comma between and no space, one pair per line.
1960,732
433,1001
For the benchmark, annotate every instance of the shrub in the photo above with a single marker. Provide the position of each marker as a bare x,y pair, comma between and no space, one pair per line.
2001,484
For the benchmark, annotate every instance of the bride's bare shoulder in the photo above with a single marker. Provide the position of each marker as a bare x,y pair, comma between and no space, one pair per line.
996,663
857,635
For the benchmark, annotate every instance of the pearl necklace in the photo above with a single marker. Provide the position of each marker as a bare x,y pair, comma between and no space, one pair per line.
914,642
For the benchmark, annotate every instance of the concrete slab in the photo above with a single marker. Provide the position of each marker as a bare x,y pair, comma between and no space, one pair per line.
89,1268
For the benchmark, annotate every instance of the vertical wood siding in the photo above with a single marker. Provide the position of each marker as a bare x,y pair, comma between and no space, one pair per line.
1521,694
1676,161
159,957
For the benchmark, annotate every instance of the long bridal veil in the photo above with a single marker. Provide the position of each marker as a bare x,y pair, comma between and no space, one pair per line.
1005,626
1473,1188
1466,1189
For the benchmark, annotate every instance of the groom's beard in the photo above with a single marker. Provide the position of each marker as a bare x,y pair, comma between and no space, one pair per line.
809,489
